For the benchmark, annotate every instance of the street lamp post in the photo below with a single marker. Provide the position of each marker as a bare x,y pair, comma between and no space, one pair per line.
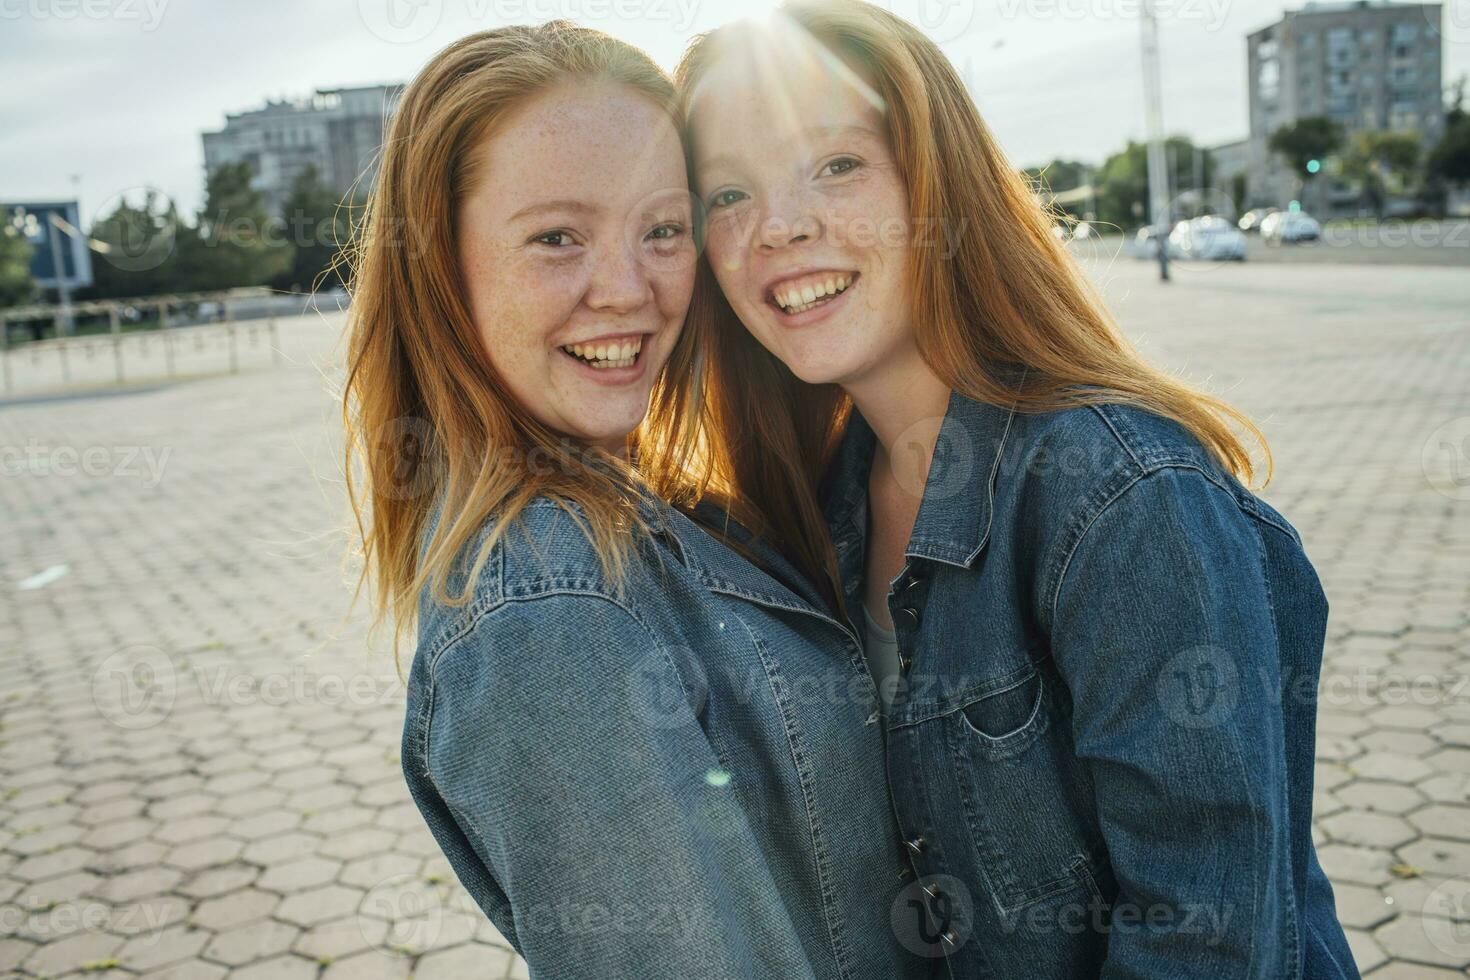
1158,175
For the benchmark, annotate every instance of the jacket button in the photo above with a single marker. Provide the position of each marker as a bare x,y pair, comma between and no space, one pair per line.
948,937
903,662
916,845
911,615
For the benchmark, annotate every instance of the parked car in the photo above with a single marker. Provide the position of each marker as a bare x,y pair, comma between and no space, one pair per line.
1290,226
1209,238
1145,244
1251,220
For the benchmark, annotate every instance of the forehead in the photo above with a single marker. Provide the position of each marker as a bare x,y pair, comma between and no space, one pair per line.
784,95
574,136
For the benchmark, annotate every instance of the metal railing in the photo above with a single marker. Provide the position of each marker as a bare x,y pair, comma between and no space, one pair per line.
117,337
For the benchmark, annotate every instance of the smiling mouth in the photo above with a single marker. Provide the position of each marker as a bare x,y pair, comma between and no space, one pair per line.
810,292
603,355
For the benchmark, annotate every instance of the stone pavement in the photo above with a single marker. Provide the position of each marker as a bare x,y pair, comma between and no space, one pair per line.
198,745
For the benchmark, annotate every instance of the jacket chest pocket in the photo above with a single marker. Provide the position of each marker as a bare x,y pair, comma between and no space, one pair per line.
1026,800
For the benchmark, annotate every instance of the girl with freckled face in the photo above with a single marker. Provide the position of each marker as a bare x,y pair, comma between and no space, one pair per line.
631,726
1089,638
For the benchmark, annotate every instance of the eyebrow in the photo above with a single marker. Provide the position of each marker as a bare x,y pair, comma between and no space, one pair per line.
563,204
725,159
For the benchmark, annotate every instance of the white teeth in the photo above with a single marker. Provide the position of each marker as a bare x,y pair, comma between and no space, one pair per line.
799,300
613,355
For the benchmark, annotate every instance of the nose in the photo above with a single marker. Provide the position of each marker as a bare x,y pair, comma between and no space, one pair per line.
789,218
619,282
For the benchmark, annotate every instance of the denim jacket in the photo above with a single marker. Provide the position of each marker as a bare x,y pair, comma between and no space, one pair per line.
1101,747
681,776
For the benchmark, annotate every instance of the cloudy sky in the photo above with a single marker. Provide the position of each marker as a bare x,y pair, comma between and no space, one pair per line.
99,97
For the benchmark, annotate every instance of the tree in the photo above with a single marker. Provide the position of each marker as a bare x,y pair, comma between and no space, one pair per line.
1449,161
1304,144
1122,180
240,247
136,250
317,226
16,284
1383,163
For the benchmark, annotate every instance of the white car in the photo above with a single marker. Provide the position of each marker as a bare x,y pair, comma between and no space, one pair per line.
1210,238
1145,244
1290,226
1251,220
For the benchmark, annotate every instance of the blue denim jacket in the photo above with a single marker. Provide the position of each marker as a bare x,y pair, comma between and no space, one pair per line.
1101,749
679,777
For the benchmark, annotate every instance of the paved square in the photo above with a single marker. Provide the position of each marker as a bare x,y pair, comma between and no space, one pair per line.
198,746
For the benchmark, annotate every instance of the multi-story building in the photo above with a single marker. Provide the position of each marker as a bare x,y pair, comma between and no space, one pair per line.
1367,64
339,131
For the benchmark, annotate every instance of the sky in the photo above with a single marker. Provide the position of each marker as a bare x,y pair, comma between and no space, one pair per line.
100,98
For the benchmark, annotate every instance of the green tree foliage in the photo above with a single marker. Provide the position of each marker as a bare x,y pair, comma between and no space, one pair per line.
317,226
1450,159
16,285
1122,180
1382,163
1308,138
241,244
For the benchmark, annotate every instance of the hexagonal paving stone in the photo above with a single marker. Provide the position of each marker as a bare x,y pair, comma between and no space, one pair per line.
342,937
1379,830
374,964
186,970
301,874
1447,788
235,909
42,866
367,872
469,960
285,967
282,847
1440,942
1367,954
1443,820
1390,767
72,953
1364,794
1363,865
1414,743
358,843
204,853
1449,760
137,884
151,949
1361,907
258,940
1439,857
320,904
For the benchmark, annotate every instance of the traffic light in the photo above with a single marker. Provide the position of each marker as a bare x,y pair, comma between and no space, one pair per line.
1313,166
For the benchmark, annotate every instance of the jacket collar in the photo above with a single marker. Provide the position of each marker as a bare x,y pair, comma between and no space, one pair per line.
722,569
953,524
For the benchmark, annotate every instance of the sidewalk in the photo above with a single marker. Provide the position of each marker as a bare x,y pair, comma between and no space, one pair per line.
199,750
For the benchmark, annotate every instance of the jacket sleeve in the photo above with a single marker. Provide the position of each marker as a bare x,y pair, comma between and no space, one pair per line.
1164,634
566,745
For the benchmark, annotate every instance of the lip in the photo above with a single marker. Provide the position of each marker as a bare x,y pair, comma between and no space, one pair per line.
816,313
609,337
